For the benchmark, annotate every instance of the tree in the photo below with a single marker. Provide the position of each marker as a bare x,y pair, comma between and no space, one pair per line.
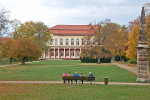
24,30
134,28
109,39
37,31
5,49
23,49
93,48
147,9
133,42
117,39
42,35
4,21
15,24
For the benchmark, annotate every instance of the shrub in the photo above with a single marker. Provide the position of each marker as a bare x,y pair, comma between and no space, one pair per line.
105,60
91,60
117,58
76,59
133,61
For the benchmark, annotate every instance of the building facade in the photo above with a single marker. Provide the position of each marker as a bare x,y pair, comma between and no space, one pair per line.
68,41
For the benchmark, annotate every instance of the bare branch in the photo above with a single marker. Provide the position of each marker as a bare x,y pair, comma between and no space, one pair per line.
4,21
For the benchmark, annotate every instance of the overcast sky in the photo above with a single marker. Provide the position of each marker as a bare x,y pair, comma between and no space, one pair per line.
74,12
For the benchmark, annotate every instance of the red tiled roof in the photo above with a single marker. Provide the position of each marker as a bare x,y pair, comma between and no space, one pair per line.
71,30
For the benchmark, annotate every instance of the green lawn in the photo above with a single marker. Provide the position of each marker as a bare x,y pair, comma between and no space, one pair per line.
53,70
7,62
73,92
4,62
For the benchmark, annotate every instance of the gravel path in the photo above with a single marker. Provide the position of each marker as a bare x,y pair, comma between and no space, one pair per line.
60,82
126,67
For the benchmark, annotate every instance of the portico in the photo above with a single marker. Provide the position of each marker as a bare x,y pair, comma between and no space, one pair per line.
64,52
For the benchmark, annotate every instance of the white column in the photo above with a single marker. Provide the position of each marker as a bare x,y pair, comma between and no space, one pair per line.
58,52
64,52
75,41
80,41
54,53
75,53
58,41
69,52
44,55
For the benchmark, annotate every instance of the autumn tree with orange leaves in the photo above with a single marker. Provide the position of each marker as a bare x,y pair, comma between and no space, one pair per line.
96,43
108,39
5,49
21,49
133,36
117,39
25,48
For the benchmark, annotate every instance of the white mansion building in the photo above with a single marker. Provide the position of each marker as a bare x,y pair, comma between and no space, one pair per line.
67,41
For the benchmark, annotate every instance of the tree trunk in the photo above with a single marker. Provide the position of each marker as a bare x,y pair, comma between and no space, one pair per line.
98,58
23,61
11,60
120,59
113,57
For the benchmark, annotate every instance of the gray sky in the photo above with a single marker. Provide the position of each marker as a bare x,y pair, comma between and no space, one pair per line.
74,12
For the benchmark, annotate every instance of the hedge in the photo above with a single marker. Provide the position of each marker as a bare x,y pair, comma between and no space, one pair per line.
91,60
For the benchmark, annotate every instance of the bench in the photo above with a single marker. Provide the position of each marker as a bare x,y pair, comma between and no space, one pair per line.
78,78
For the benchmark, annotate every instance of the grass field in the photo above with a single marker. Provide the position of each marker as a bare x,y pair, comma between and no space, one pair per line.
73,92
53,70
7,62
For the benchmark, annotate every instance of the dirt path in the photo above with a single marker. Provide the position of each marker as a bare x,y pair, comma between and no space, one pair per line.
126,67
15,64
8,65
60,82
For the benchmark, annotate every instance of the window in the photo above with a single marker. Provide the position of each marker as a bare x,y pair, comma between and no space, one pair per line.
52,53
56,41
67,53
94,41
72,53
56,52
67,41
78,52
83,42
61,41
77,41
88,41
62,53
72,41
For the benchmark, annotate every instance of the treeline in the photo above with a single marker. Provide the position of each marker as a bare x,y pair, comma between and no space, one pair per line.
119,41
26,42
